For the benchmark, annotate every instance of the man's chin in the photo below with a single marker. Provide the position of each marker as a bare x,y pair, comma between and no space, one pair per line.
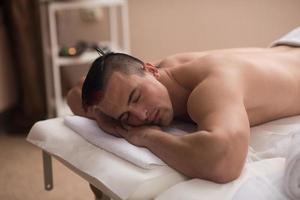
166,121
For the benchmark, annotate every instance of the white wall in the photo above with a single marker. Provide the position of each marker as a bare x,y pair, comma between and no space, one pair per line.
163,27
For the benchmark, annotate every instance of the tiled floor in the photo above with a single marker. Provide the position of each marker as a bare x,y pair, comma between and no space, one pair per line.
21,174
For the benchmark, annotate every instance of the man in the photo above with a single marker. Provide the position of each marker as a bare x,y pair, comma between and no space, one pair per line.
223,91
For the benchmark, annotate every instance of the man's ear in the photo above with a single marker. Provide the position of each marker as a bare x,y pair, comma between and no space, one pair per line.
152,69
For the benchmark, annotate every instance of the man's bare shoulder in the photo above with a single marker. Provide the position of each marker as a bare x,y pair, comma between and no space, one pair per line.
214,94
193,72
200,65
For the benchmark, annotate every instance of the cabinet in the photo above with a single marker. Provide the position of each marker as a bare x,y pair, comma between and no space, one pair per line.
53,62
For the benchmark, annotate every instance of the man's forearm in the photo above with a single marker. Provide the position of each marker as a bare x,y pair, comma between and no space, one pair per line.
197,155
177,152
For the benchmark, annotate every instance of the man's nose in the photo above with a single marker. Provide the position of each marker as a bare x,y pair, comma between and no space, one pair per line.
140,113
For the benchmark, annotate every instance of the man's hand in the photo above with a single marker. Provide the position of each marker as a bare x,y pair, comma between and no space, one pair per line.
133,134
106,123
136,135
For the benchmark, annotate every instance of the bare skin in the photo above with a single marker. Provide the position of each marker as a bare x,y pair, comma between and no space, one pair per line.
223,91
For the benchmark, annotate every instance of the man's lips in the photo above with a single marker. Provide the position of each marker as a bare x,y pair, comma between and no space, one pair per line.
156,118
153,116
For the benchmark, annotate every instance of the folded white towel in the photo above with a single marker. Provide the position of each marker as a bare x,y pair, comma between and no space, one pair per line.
89,130
292,170
139,156
291,39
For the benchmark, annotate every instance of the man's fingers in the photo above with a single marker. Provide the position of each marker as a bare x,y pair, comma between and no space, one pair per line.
121,131
126,126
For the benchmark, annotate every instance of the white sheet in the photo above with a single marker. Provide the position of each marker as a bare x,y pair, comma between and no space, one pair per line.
262,177
122,180
258,181
292,171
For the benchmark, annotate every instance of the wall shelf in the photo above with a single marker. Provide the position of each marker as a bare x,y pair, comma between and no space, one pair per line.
55,100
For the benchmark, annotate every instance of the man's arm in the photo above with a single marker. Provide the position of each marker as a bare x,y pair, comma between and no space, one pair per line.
74,101
217,152
106,123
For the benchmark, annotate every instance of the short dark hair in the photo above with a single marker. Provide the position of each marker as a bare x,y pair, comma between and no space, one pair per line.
100,71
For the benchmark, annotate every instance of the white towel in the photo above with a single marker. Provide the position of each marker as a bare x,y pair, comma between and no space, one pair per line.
292,169
89,130
291,39
139,156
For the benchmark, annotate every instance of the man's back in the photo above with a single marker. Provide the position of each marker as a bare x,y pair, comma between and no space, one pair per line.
268,79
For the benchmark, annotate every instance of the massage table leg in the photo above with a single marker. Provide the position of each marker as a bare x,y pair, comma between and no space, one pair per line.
48,177
98,194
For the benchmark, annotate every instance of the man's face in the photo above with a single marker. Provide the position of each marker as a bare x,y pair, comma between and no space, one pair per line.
137,100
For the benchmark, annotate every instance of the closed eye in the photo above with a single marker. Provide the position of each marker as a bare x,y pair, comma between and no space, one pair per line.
137,98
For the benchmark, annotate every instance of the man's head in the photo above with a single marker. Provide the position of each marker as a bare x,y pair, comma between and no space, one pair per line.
124,88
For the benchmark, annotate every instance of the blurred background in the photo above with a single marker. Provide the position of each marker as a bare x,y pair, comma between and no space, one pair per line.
46,46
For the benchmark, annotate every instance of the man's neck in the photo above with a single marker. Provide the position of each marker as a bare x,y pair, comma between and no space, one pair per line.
178,94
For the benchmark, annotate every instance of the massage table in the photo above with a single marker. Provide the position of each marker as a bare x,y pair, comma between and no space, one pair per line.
113,176
120,179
